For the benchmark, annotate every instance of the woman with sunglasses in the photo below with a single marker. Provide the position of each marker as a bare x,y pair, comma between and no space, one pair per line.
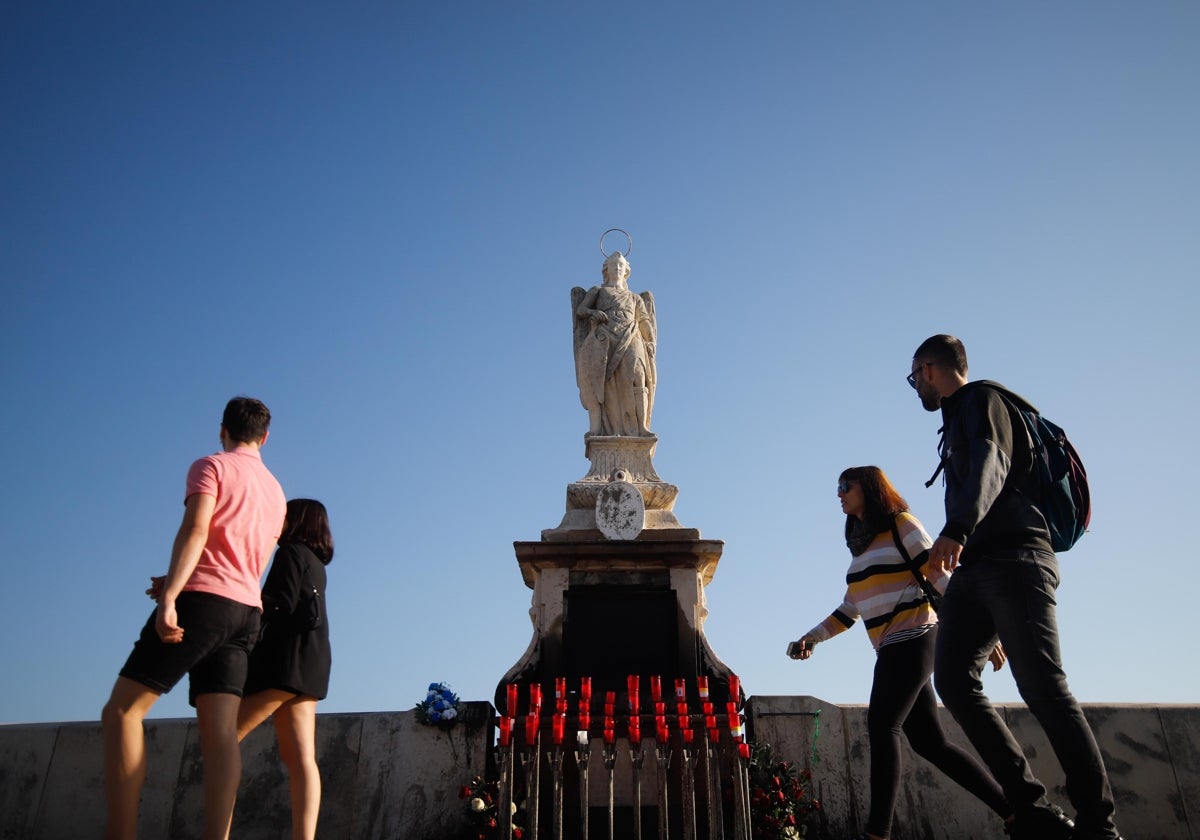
901,623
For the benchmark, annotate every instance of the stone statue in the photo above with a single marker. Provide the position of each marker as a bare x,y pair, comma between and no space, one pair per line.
614,335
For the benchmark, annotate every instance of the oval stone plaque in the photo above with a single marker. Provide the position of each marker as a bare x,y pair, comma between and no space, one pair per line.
620,511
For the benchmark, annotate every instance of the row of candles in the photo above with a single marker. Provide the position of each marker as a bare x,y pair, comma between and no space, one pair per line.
633,727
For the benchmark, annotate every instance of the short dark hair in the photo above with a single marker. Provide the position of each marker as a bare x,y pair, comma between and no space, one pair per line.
881,501
246,420
945,350
307,523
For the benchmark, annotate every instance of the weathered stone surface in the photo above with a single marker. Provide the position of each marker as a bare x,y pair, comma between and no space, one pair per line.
383,776
386,776
26,753
1181,725
1152,755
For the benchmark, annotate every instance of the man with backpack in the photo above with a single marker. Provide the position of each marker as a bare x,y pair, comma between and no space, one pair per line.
1006,574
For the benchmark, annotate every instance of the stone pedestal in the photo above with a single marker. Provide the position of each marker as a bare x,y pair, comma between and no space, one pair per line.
610,608
633,458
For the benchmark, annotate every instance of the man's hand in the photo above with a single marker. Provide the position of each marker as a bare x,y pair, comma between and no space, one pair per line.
167,623
997,657
944,554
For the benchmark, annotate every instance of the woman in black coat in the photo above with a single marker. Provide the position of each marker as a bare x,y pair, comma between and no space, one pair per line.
289,667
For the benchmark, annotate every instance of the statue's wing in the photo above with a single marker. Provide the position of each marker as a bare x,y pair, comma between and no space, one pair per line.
579,326
651,363
591,355
648,299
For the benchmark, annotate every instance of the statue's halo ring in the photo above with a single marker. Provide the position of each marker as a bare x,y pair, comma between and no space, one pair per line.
628,238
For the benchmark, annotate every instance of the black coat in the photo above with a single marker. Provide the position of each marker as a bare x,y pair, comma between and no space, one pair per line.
986,452
287,657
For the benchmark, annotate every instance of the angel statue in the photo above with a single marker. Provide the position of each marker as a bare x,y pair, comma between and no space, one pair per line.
614,335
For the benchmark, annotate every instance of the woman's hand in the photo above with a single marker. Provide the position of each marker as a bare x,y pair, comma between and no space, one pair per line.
802,648
156,586
997,657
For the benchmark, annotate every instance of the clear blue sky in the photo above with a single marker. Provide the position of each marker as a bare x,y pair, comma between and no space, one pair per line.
370,215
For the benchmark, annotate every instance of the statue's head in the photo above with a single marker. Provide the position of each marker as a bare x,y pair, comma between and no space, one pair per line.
616,269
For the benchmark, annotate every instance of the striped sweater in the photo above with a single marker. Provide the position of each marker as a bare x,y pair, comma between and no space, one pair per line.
882,591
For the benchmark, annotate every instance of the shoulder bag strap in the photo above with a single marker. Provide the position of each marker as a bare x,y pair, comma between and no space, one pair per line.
930,592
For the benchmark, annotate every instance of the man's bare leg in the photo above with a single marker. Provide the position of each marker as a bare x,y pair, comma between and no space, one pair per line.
217,716
124,738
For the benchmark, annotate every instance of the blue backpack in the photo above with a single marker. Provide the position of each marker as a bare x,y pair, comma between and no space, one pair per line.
1061,481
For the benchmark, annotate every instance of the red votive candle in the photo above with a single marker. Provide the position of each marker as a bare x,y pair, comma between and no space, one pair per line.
585,689
744,751
656,689
633,683
512,699
702,685
531,729
710,721
560,688
682,710
535,698
610,723
635,732
680,689
734,721
559,726
714,735
735,689
585,721
610,736
505,731
687,735
661,731
660,709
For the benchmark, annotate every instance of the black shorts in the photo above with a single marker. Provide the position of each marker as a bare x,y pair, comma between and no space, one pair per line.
218,635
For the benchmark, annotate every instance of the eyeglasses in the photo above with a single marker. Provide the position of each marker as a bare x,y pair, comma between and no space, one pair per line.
912,377
844,486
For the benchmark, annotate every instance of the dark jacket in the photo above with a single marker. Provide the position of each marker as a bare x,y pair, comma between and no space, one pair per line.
989,483
286,656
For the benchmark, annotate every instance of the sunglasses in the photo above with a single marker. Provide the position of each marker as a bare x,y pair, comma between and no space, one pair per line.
912,377
844,486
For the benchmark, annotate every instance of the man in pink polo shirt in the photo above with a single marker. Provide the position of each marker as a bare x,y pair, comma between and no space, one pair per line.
205,624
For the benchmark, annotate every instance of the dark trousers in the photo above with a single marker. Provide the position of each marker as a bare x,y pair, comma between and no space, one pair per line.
902,700
1012,597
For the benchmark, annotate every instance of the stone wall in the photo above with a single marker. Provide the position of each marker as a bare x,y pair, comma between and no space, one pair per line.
1152,754
386,776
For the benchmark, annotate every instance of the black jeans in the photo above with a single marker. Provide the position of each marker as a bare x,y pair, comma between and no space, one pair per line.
902,700
1012,596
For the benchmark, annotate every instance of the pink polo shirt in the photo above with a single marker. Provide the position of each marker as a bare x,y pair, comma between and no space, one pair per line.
246,523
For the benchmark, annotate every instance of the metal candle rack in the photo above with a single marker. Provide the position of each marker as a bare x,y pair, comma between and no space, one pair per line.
711,764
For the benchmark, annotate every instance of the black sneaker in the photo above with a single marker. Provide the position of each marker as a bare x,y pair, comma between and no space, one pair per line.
1047,822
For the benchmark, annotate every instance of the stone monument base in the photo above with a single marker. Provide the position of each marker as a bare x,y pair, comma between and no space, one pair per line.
632,456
